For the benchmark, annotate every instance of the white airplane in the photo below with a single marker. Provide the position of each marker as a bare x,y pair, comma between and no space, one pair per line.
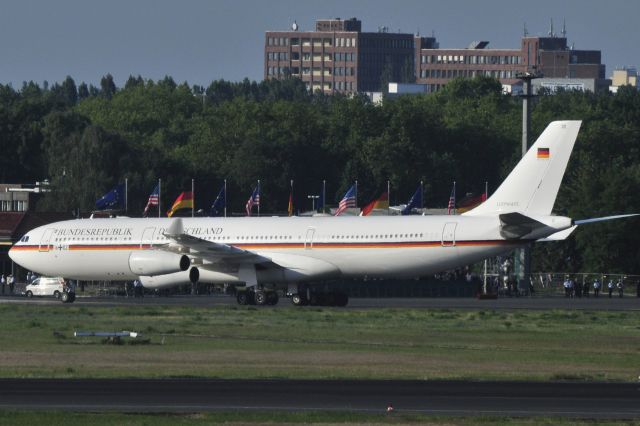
288,251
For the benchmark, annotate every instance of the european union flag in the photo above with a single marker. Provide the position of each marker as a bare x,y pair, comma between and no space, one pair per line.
414,202
217,208
112,199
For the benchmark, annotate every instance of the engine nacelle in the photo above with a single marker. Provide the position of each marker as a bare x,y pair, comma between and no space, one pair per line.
170,280
154,262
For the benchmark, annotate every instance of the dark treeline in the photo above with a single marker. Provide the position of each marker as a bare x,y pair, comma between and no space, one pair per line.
86,139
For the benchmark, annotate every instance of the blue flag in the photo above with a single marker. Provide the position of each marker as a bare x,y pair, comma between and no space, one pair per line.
414,202
112,199
217,208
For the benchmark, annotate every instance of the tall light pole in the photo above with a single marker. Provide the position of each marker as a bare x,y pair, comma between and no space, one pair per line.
522,264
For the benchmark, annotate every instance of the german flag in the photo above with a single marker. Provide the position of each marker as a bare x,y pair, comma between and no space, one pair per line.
184,200
382,202
543,153
470,202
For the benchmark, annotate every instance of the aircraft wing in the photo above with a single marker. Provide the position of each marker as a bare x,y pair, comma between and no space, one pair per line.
208,250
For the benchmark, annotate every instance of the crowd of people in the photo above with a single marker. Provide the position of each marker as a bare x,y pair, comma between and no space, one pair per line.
574,289
8,281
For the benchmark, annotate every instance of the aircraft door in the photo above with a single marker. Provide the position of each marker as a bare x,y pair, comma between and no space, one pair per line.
449,234
308,241
147,237
44,241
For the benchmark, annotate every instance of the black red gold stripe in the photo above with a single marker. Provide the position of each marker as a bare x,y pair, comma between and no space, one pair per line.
298,245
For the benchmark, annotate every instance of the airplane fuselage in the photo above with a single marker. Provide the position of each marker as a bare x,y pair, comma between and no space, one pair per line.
306,248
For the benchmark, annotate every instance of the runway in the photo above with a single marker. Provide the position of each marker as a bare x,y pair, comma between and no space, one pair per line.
629,303
584,399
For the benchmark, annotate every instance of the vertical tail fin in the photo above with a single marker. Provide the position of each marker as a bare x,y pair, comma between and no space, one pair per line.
532,186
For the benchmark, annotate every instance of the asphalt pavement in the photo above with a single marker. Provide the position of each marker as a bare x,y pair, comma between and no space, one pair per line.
567,399
627,303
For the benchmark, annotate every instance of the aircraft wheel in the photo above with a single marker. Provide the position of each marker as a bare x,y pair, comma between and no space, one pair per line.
29,294
272,298
313,299
341,299
261,297
298,300
242,298
64,297
329,299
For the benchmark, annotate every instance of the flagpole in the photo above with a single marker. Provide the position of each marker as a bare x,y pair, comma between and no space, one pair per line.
126,194
422,195
484,281
159,194
356,193
454,197
388,197
193,198
258,196
225,198
291,212
324,195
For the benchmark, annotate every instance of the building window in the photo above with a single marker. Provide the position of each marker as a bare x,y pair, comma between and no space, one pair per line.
295,41
306,42
306,56
295,56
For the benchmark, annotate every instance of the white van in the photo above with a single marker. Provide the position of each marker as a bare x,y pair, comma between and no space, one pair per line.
46,286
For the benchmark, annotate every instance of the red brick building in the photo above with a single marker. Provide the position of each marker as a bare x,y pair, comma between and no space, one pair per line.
339,57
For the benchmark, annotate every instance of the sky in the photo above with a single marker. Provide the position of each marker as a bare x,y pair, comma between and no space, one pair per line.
200,41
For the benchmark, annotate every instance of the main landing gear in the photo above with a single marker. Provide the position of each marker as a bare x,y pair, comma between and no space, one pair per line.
257,297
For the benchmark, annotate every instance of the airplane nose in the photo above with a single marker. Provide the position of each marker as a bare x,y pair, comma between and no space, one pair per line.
16,255
12,254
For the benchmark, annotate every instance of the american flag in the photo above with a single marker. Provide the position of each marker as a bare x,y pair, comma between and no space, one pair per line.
154,199
253,200
349,200
452,200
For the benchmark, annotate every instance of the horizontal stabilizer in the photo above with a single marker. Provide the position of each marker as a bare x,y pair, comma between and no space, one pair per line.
559,236
602,219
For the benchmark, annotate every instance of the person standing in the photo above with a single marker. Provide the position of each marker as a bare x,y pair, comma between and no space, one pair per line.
610,288
12,283
620,286
577,289
566,284
596,287
585,288
3,282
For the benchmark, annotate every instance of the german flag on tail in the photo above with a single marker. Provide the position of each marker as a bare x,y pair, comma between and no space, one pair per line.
543,153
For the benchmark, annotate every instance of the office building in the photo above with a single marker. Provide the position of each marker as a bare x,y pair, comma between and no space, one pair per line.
339,57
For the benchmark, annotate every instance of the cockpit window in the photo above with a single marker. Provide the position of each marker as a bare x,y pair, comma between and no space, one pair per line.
24,239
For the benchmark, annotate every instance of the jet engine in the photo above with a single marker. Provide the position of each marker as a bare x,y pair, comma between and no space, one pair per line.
155,262
170,280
